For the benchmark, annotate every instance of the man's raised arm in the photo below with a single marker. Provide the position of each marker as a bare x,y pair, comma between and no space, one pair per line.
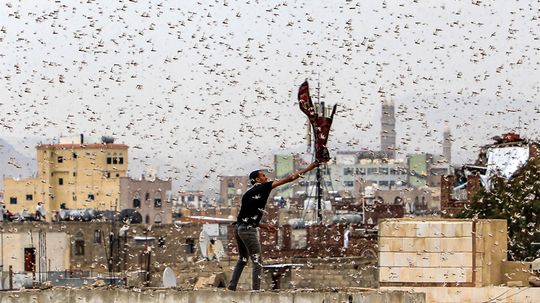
294,175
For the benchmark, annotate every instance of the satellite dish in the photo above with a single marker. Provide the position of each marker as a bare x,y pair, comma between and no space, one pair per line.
535,265
169,278
204,240
219,250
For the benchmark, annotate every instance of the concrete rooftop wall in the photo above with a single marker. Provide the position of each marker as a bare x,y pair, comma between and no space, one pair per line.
214,296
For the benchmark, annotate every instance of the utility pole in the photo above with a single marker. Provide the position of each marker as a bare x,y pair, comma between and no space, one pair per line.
318,174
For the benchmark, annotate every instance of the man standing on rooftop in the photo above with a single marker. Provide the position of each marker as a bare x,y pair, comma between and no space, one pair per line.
246,231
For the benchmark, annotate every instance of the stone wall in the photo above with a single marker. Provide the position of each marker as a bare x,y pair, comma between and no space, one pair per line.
214,296
434,252
499,294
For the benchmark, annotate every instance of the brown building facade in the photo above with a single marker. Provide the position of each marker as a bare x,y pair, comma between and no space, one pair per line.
149,198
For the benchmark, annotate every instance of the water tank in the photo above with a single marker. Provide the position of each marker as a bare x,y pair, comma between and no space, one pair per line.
107,139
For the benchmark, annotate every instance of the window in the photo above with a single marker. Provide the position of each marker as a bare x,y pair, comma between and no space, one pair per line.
74,155
137,200
348,171
157,200
78,245
97,236
147,196
161,241
12,200
29,197
360,171
190,246
60,159
383,183
348,183
121,160
383,170
372,170
30,259
107,174
91,197
109,160
230,183
74,174
60,181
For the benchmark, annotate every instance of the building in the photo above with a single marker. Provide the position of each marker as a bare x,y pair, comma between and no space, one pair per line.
418,166
388,129
366,166
189,199
35,250
283,166
71,175
447,145
231,189
150,198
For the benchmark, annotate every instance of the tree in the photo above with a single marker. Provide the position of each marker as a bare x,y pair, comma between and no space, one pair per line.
518,201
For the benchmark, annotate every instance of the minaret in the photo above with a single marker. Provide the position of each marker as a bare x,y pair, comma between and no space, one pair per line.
447,144
388,129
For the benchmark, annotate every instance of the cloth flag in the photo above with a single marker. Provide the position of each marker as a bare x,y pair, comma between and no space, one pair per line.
321,125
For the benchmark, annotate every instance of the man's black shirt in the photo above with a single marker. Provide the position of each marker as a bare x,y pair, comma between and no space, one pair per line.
253,203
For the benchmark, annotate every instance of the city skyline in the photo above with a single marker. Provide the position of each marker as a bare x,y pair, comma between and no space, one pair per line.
210,88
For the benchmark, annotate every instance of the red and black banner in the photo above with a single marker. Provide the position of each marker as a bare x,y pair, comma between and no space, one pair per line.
321,125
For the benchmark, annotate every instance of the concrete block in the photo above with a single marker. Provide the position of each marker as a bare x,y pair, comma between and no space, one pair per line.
427,275
425,259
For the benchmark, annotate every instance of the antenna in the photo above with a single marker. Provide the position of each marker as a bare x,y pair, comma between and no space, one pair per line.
319,88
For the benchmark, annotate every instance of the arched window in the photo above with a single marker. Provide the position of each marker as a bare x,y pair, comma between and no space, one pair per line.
147,219
137,200
157,200
78,244
157,219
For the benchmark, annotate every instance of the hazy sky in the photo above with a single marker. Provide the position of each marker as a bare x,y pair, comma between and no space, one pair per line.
209,87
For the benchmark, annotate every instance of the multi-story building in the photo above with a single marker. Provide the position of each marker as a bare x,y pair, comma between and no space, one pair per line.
426,170
366,166
148,197
418,166
190,199
231,190
388,129
71,175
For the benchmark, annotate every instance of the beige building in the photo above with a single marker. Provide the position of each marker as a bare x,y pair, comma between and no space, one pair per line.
73,175
35,250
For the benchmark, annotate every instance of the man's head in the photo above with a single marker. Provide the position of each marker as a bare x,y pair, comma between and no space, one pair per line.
257,176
